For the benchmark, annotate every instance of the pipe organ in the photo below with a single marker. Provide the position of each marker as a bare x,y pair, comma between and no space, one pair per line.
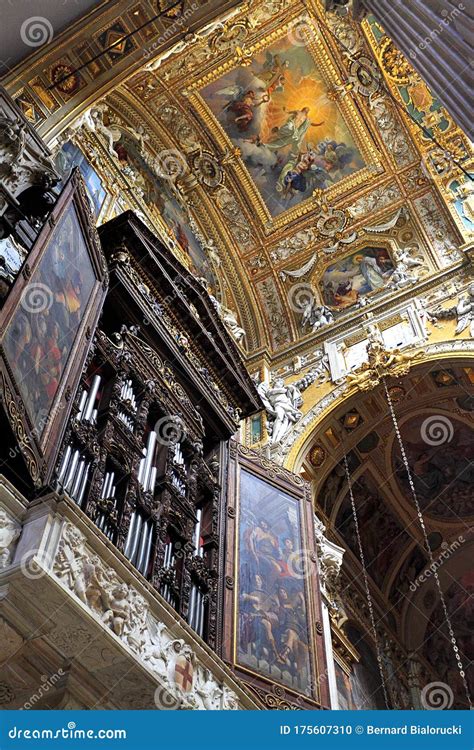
145,447
140,489
128,435
140,457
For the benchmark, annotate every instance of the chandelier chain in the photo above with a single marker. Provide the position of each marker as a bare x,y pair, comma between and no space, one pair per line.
427,545
366,583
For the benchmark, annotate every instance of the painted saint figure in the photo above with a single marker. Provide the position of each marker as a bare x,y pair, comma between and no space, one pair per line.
241,106
293,131
371,271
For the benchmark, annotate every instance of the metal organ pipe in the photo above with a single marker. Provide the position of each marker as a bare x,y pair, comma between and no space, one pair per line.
107,486
150,449
89,407
142,555
199,613
141,466
152,479
192,599
77,480
136,538
130,535
64,463
111,482
148,547
83,485
197,533
82,403
72,469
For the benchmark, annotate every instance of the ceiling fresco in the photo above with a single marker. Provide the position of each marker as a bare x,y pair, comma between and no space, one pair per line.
292,137
314,175
355,276
286,153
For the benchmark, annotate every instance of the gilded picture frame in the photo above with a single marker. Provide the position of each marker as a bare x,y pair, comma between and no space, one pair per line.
47,326
272,616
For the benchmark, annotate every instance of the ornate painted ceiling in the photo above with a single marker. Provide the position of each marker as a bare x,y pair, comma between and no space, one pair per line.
287,154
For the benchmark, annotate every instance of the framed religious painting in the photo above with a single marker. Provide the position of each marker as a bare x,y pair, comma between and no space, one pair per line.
272,632
47,325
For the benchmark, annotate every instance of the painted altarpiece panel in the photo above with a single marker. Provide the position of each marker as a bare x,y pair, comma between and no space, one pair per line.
51,312
272,625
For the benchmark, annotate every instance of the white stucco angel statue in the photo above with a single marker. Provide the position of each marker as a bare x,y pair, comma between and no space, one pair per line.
404,274
465,311
316,316
282,404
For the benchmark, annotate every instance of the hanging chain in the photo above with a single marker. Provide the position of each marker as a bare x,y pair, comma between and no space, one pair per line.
428,546
366,582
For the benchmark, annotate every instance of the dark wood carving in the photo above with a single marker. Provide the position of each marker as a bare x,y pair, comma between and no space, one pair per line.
156,367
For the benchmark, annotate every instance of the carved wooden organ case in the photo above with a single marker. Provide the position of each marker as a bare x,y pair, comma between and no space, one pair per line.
163,390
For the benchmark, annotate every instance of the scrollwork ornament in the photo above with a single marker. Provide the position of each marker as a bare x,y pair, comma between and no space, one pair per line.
16,413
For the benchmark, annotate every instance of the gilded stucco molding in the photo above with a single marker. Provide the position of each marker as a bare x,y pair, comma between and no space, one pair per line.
296,443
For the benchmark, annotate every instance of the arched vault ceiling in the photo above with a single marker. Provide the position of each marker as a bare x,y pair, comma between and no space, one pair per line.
288,137
287,200
434,406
